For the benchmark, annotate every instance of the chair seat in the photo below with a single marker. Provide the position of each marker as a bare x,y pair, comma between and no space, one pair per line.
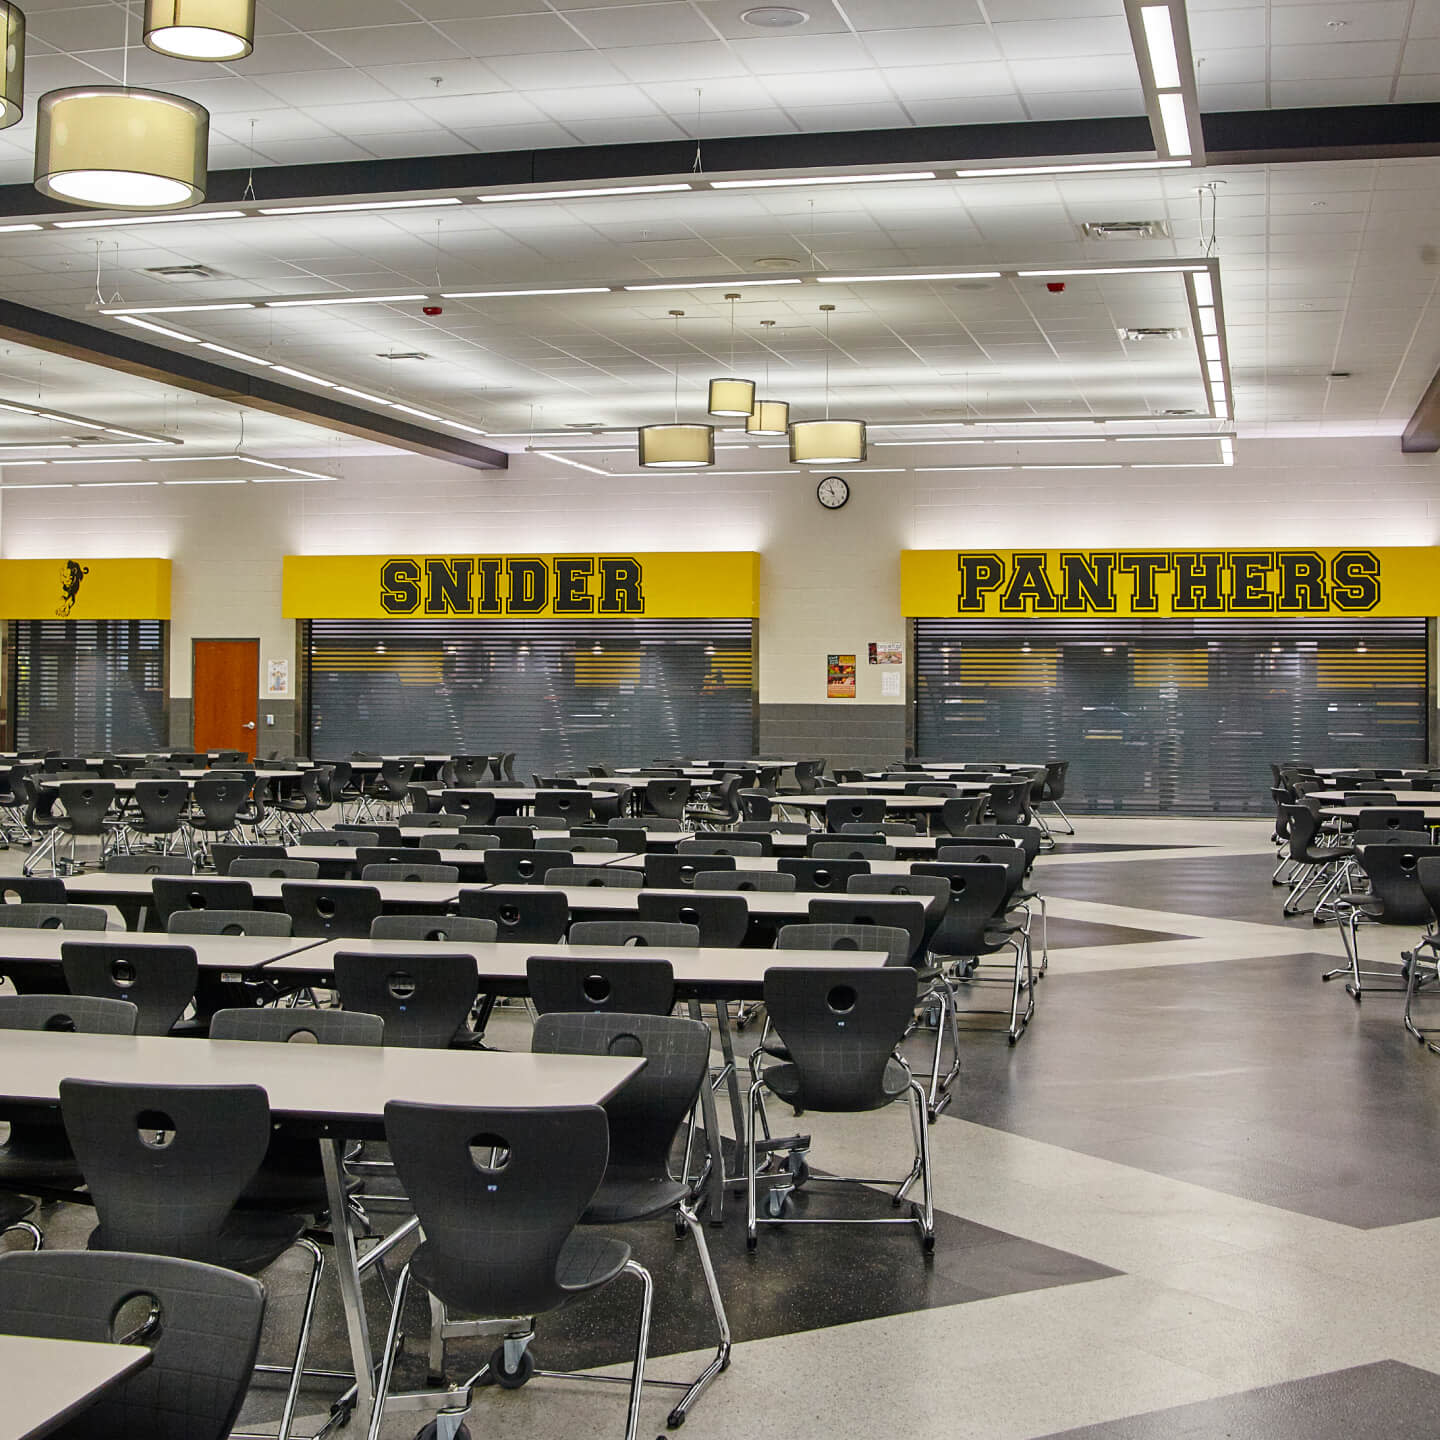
292,1178
1360,900
39,1159
586,1262
13,1209
784,1081
248,1242
623,1198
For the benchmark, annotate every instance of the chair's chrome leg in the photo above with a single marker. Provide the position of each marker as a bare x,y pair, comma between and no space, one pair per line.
642,1346
302,1345
752,1228
387,1362
33,1231
721,1360
927,1190
437,1341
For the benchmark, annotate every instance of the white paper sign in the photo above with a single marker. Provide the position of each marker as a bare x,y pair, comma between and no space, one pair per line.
277,677
889,683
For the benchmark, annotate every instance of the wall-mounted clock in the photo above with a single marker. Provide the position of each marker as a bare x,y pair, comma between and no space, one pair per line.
832,492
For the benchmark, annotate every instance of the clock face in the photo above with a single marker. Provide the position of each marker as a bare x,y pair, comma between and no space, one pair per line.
832,492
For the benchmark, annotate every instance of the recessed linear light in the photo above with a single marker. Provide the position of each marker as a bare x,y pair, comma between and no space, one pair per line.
1013,171
358,205
1117,270
1204,290
16,229
736,284
158,329
100,460
915,444
287,469
340,300
46,485
235,354
1181,465
150,220
1212,347
422,414
1175,123
822,180
505,294
1160,42
877,279
360,395
296,479
175,309
1216,371
582,194
578,465
237,480
951,469
303,375
115,484
1208,323
468,429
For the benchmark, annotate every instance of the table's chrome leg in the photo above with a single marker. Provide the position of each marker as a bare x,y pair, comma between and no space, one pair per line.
347,1270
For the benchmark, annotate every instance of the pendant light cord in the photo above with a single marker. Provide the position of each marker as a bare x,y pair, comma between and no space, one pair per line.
827,309
677,314
125,49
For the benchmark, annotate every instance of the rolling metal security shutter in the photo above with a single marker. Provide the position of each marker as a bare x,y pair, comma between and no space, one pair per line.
87,686
1178,716
560,693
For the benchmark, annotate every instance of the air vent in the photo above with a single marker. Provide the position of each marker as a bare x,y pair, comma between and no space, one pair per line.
1150,332
186,272
1125,230
401,355
1179,412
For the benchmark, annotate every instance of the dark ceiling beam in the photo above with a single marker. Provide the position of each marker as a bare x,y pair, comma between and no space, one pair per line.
79,341
1422,434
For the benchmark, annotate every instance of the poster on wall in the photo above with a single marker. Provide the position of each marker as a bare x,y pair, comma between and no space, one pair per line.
890,685
887,652
277,678
840,677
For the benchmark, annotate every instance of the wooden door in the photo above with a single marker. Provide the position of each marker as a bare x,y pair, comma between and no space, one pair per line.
227,694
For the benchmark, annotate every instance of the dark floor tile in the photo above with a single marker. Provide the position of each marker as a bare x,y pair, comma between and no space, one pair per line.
1068,934
1095,847
1386,1399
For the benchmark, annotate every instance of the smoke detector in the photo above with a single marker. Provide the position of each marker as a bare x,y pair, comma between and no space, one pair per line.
774,17
1125,230
1150,332
186,272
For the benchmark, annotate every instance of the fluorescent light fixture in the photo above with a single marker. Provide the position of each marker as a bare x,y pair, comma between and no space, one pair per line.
239,480
468,429
1222,408
16,229
303,375
175,309
822,180
293,479
578,465
358,205
917,444
1160,42
132,435
51,485
1180,465
1212,347
13,464
1085,466
100,460
1011,171
1208,324
158,329
411,410
876,279
951,469
1059,440
505,294
340,300
235,354
287,469
1114,270
151,220
362,395
1216,371
115,484
1175,123
1204,290
714,285
581,194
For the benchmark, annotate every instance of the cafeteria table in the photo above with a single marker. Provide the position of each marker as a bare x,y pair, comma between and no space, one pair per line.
659,841
770,862
925,804
47,1383
337,861
125,784
901,787
607,902
1353,812
1384,800
337,1092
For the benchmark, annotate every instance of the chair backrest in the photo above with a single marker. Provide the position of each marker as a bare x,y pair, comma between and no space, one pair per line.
528,913
1011,856
165,1164
614,984
298,1025
41,889
87,803
635,932
36,915
77,1014
495,1226
933,890
173,893
203,1333
223,855
667,798
473,805
428,874
396,855
724,845
1395,881
248,867
679,871
647,1112
522,867
754,804
159,980
1029,837
1400,817
229,922
841,1028
424,998
1054,784
335,911
852,850
885,827
566,804
627,836
370,833
959,811
978,893
161,803
355,838
1010,801
821,874
851,809
470,770
893,940
871,912
426,820
434,927
219,802
722,920
149,864
597,876
771,880
582,844
1304,826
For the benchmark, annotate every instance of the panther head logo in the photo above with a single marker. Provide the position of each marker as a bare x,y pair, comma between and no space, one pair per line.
72,573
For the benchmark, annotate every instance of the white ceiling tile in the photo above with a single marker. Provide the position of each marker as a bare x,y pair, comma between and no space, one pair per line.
293,53
1046,77
313,152
725,17
853,87
971,110
1312,24
1228,29
328,87
314,15
496,139
1333,62
622,130
644,63
516,35
372,119
910,14
1230,67
938,45
1417,89
1422,57
945,82
1040,39
1373,90
464,112
617,26
741,122
846,117
1082,103
556,68
594,102
86,27
678,97
383,44
456,77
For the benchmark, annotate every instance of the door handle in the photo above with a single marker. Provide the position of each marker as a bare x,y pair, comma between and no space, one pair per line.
248,725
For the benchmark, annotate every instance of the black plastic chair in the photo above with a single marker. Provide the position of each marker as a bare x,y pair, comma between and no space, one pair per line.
222,856
216,807
1395,897
666,798
932,890
1010,801
339,838
726,845
851,850
645,1118
159,980
722,920
229,922
854,809
36,915
202,1331
478,807
1399,817
172,893
528,913
871,912
1026,836
578,844
614,984
821,874
396,855
511,1247
159,813
595,877
724,806
462,928
755,805
572,806
771,880
674,872
149,863
840,1029
636,933
960,811
628,837
249,868
416,874
1052,791
166,1166
423,998
36,889
522,867
334,912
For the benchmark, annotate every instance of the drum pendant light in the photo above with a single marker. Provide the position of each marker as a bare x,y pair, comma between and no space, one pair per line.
730,396
12,91
201,29
827,441
676,446
769,417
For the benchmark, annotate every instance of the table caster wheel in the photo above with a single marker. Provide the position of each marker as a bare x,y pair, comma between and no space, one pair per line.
432,1430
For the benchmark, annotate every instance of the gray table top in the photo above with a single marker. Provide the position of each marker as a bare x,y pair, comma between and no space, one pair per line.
781,904
897,787
1383,801
98,884
435,838
1431,813
447,857
766,862
47,1382
339,1085
125,785
816,801
212,952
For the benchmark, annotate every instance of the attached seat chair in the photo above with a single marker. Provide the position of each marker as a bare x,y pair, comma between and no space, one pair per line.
1395,897
500,1194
